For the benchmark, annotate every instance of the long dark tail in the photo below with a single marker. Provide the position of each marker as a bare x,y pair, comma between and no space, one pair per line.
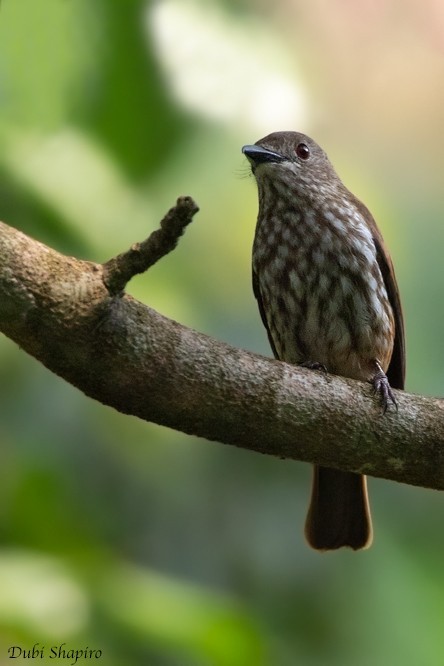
339,513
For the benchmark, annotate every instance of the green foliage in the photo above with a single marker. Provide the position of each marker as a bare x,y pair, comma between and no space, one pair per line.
151,546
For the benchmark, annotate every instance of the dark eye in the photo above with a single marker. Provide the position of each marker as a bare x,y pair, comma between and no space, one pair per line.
303,151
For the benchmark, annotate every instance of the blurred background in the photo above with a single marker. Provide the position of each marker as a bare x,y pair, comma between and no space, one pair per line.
151,546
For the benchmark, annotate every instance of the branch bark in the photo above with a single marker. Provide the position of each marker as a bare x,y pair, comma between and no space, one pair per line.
75,318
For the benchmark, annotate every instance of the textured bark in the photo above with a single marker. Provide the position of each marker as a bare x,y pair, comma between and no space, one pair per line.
75,318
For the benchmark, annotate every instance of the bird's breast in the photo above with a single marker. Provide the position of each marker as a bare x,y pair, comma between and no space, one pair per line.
323,293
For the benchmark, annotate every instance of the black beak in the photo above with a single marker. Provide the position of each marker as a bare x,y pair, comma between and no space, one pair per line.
258,155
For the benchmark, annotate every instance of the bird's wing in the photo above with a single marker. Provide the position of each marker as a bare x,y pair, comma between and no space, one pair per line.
396,369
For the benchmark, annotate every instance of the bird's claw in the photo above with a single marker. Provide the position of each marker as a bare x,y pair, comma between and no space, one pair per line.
314,365
382,386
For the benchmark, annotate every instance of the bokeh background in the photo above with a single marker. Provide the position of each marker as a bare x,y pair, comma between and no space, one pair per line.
151,546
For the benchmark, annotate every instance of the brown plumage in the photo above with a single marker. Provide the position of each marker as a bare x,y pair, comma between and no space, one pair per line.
328,298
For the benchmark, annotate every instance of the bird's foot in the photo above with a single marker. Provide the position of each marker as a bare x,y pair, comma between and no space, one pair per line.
314,365
382,386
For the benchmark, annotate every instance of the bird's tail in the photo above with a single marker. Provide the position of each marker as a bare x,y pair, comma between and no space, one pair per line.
339,513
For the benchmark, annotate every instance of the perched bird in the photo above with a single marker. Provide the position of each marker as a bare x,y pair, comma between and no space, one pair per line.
328,297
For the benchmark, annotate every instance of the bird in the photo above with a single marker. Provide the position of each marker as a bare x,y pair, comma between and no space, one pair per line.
328,297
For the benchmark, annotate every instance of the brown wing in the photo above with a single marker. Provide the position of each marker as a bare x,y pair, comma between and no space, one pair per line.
396,369
257,293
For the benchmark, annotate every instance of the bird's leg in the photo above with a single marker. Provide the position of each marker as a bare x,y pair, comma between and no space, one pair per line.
314,365
381,385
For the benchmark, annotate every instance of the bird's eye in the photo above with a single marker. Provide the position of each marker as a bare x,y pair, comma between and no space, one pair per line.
303,151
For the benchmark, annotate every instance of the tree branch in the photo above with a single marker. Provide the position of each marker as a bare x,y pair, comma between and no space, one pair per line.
74,317
118,271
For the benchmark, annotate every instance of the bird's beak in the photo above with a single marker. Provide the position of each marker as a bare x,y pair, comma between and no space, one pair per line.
258,155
